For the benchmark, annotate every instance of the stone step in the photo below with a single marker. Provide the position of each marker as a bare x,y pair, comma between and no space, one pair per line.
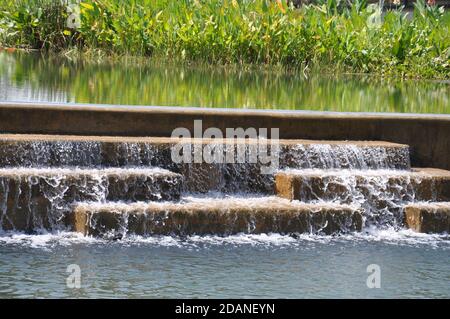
428,217
33,198
202,216
218,175
381,193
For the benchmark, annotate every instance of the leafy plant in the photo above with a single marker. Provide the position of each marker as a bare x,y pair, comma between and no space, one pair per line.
337,35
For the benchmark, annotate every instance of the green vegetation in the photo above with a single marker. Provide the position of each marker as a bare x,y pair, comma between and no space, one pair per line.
332,36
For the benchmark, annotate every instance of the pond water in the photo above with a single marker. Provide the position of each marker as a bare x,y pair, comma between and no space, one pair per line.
241,266
31,77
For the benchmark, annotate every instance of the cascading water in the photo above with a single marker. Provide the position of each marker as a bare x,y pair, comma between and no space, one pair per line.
382,194
327,156
46,179
199,177
41,198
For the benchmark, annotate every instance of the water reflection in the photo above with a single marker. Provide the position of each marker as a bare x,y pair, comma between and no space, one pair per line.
31,77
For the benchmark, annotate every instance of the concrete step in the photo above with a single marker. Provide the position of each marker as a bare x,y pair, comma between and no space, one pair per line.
104,151
349,185
428,217
201,216
33,198
381,193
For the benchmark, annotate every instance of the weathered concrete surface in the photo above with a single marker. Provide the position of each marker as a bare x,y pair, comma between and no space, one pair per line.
426,134
381,194
214,216
351,185
33,199
428,217
105,151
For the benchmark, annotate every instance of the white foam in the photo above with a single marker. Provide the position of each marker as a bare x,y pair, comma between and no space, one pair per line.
45,240
401,237
52,171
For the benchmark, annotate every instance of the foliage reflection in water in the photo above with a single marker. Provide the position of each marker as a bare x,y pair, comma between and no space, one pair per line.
31,77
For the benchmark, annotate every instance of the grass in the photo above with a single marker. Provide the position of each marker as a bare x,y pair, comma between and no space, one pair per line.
330,36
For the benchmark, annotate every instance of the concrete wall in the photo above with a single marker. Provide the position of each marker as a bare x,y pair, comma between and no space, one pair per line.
428,135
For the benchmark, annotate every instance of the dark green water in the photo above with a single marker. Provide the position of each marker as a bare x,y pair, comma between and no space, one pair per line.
30,77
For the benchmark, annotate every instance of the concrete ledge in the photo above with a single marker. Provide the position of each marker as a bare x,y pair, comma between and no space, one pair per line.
423,184
428,217
214,216
428,135
27,138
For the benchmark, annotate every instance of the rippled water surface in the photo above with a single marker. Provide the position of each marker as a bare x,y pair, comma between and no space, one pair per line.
267,266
